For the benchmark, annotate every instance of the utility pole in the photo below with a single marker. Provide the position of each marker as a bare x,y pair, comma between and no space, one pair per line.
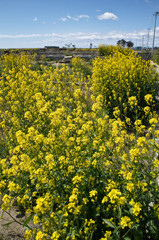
154,31
148,38
142,42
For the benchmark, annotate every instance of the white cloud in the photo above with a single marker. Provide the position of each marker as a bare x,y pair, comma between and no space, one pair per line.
98,10
147,1
95,35
36,42
83,16
21,43
84,39
35,19
63,19
107,16
54,22
44,22
20,36
78,17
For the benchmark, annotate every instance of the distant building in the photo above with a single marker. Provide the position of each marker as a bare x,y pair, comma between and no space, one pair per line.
51,47
138,48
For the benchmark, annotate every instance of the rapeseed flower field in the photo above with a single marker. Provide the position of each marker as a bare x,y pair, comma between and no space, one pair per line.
79,153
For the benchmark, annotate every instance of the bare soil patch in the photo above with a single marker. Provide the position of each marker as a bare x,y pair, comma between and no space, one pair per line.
13,231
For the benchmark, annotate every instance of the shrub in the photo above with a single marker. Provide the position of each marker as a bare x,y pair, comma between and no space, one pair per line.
109,50
105,50
48,59
120,77
79,65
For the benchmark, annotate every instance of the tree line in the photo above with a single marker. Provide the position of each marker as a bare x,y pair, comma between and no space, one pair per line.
124,43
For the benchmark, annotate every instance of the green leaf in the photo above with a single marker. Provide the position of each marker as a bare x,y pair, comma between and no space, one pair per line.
109,223
126,211
7,224
156,147
119,212
130,210
146,158
127,238
116,235
153,228
122,182
116,229
27,220
138,235
27,227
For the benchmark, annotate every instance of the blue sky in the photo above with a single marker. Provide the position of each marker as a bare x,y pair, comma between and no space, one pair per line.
39,23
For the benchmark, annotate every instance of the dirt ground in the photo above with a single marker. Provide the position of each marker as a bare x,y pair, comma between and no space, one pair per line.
156,66
13,231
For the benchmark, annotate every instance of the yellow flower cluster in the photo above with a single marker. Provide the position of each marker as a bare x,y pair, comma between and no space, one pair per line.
126,83
67,157
125,221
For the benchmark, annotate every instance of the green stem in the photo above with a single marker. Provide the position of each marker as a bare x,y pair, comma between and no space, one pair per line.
16,220
126,233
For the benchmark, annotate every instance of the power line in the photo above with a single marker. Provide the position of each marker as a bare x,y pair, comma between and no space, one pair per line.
151,23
